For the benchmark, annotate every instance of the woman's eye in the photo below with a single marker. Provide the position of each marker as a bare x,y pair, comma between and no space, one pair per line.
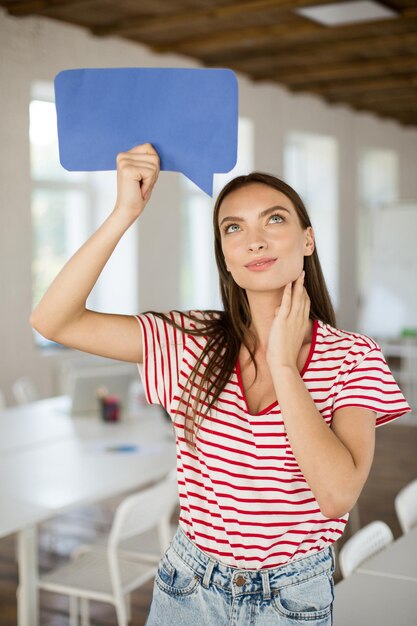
231,228
275,221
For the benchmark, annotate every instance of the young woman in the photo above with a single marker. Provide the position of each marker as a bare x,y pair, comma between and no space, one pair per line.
274,408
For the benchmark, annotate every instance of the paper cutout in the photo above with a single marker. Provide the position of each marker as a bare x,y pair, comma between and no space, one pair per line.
190,116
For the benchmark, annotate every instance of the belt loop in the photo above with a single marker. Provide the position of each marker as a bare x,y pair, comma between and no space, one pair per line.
207,574
333,555
265,585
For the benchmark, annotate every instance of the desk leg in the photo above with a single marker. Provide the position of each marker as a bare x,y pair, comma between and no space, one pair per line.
27,591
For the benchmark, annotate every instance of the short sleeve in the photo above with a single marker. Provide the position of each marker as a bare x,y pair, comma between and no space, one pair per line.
370,383
162,356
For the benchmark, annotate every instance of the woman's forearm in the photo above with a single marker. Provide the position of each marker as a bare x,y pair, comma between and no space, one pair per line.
65,299
326,463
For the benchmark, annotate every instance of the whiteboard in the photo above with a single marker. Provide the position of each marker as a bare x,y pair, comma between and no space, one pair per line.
391,301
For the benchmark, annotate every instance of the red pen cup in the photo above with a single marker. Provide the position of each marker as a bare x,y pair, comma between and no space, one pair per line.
110,409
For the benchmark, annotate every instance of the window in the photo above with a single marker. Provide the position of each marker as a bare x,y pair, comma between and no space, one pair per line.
199,281
311,168
67,207
378,173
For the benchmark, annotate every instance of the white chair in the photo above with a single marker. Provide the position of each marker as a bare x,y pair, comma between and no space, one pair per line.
365,543
109,574
25,390
148,545
406,506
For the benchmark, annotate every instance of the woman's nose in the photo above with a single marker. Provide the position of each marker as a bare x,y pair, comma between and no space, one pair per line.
256,243
254,247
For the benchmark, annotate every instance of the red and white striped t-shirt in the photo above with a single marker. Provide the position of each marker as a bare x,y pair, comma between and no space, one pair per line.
244,500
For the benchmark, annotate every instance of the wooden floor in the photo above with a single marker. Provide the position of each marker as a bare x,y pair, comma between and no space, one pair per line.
395,464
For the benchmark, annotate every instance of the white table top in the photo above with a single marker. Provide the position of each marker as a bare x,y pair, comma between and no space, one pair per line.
51,461
37,422
369,600
398,560
49,420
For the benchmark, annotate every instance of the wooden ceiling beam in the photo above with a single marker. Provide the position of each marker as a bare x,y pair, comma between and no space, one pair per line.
405,94
142,25
394,111
346,90
299,31
231,39
287,56
38,7
340,71
409,121
406,119
400,104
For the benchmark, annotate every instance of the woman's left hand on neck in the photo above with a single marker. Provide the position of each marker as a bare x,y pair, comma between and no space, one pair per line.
289,326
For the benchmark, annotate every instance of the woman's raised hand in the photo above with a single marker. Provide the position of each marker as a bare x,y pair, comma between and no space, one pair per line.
137,172
290,325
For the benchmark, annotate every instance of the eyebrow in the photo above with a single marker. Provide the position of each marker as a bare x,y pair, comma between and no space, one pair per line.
261,214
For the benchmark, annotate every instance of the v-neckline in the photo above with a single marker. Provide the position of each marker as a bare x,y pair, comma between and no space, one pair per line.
303,371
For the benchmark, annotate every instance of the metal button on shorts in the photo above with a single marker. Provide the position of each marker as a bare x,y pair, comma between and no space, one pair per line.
240,581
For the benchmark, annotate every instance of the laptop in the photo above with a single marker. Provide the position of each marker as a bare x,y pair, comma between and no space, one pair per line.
84,382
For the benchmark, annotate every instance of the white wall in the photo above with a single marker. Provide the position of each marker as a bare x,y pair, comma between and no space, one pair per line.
37,49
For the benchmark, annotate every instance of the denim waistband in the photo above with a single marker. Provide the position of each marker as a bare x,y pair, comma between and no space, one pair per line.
242,581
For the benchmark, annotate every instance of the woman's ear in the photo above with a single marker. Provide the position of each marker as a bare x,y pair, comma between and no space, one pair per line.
309,242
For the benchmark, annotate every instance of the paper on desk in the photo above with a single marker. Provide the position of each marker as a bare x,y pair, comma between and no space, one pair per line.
123,447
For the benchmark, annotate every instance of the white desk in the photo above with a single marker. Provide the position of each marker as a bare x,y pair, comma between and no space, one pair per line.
383,591
28,425
369,600
398,560
51,462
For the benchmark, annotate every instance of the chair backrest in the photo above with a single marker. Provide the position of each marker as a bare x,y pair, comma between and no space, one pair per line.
365,543
24,390
144,510
406,506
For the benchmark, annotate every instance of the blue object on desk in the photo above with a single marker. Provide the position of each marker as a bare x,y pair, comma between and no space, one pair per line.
190,116
123,448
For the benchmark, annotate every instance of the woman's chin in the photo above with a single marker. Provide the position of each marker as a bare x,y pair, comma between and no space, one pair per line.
265,288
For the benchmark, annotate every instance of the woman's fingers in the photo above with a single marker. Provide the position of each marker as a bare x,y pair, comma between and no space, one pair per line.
299,293
149,159
293,298
138,171
285,306
146,159
144,148
290,324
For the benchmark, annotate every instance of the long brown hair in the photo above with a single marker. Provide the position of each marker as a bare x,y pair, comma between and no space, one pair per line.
227,330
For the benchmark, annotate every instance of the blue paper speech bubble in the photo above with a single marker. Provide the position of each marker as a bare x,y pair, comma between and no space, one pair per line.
190,116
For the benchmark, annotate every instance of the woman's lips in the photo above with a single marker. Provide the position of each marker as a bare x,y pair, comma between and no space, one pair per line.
261,265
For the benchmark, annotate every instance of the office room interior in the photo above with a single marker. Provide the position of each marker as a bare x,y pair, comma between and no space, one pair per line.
351,158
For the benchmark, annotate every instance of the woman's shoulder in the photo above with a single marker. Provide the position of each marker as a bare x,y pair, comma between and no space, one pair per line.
346,338
203,315
192,319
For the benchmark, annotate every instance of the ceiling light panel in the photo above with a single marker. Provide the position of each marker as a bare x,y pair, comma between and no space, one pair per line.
347,12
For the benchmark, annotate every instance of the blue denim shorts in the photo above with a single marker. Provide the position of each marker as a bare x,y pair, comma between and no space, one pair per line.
192,588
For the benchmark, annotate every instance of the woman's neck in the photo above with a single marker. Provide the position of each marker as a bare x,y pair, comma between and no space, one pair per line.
262,308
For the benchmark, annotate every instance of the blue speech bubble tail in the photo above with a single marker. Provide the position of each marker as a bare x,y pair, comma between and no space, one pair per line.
203,181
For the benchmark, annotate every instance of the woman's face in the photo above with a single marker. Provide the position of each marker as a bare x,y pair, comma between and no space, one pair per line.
262,240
